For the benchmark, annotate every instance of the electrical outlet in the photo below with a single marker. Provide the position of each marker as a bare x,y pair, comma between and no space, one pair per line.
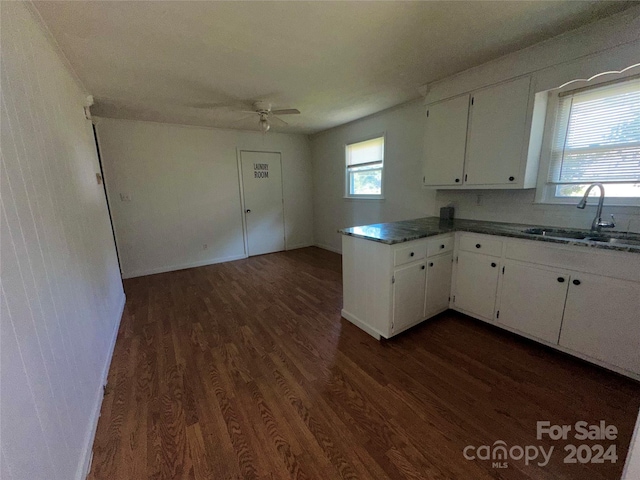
479,200
205,246
125,197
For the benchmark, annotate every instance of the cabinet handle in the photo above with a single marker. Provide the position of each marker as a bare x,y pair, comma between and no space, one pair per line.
422,267
478,245
561,279
576,282
441,246
457,180
411,254
431,264
493,264
511,179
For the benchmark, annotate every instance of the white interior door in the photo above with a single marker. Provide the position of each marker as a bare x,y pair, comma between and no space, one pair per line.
263,205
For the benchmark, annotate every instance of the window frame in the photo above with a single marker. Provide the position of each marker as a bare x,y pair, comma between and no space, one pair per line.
545,191
347,187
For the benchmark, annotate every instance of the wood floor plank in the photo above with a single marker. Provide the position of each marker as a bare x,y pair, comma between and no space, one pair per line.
245,370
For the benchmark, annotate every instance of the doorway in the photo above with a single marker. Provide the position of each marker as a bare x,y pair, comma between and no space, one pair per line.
106,197
262,202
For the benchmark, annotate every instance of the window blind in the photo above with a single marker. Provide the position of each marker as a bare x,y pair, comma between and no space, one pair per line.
597,136
369,152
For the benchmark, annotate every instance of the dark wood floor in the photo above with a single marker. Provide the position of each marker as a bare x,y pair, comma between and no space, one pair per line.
245,370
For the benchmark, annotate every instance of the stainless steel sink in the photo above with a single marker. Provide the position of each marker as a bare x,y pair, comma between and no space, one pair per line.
615,241
613,238
556,233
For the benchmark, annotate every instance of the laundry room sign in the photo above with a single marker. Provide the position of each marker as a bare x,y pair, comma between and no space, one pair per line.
260,170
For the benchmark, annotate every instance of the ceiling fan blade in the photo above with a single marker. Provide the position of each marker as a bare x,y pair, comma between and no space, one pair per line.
286,111
276,120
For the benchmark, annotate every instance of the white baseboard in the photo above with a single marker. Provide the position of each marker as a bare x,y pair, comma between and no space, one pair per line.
87,451
172,268
299,245
328,247
360,324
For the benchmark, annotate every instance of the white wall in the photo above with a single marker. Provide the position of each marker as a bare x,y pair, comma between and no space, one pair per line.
404,196
184,189
61,295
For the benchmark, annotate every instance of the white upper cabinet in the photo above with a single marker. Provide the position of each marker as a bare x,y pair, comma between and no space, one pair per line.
489,138
445,142
497,133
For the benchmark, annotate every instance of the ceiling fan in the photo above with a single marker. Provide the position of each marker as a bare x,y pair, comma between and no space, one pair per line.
266,116
263,110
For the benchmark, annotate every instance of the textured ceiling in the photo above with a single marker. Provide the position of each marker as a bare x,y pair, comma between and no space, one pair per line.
334,61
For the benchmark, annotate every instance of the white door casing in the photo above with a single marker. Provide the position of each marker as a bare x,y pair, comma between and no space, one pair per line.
262,201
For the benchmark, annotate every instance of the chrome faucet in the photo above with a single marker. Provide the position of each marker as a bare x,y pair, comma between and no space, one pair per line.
597,223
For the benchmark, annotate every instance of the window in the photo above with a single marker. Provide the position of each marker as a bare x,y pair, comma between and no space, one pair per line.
596,138
364,165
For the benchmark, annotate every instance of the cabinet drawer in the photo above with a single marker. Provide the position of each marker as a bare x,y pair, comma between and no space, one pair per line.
410,253
481,244
438,245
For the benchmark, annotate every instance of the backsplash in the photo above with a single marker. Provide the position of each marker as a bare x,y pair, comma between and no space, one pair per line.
517,206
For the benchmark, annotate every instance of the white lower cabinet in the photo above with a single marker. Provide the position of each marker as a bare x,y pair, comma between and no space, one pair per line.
408,296
476,283
582,301
532,300
389,288
602,320
438,284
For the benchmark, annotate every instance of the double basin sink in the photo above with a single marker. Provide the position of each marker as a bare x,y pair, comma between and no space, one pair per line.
613,238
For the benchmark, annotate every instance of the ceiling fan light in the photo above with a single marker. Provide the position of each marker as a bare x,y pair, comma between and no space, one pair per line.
264,125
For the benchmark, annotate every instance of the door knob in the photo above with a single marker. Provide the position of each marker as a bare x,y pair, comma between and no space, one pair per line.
493,264
576,282
431,264
248,211
561,279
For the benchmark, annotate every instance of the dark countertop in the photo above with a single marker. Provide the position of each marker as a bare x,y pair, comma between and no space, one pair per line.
407,230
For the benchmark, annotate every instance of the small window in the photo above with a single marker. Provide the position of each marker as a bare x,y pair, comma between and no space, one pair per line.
596,138
364,166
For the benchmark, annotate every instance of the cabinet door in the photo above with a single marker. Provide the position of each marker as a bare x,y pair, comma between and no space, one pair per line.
602,320
497,133
445,142
408,296
532,300
438,284
477,283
